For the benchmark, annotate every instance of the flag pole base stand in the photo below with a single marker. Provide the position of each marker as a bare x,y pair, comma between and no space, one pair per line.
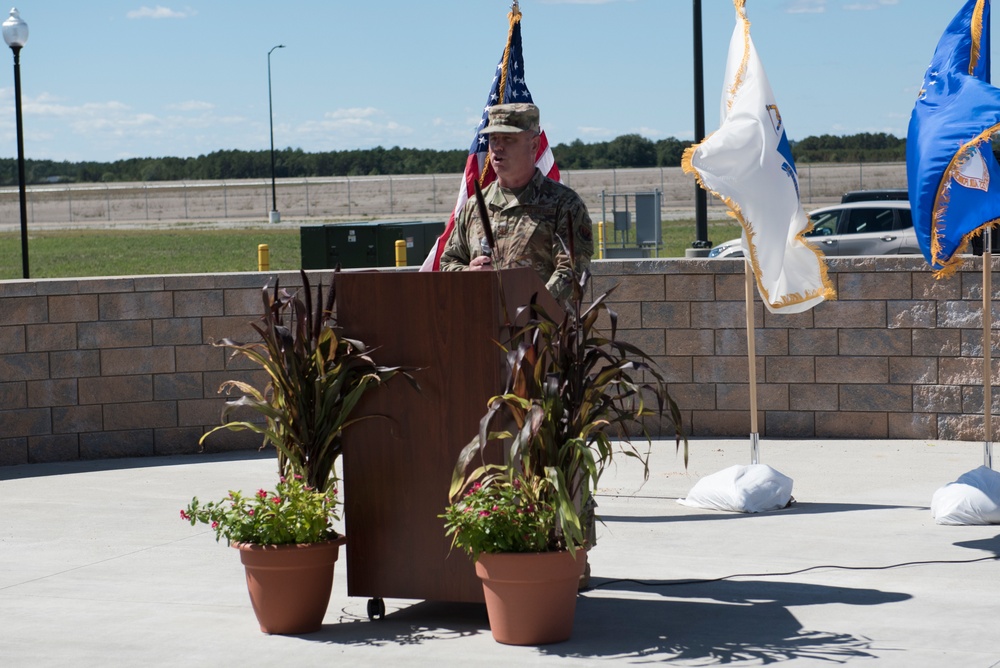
274,217
741,489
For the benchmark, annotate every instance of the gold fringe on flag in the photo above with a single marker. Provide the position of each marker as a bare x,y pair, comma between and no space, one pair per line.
514,16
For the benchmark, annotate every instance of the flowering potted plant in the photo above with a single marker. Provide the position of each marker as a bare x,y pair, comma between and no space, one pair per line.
292,513
505,515
569,391
316,376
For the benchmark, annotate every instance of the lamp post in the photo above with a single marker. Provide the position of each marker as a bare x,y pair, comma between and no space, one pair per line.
701,244
15,33
275,217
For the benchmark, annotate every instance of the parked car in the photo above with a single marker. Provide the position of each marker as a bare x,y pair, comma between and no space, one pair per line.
874,195
857,228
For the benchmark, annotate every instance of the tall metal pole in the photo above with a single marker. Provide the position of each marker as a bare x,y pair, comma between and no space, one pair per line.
20,161
275,217
700,197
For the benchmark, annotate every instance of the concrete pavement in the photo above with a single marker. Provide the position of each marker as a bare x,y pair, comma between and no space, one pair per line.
97,569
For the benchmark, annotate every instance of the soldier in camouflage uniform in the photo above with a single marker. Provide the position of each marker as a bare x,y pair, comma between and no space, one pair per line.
529,212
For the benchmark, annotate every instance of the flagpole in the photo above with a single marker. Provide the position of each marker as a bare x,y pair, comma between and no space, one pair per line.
987,349
752,357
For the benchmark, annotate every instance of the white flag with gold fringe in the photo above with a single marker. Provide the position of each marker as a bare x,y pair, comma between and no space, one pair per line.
747,163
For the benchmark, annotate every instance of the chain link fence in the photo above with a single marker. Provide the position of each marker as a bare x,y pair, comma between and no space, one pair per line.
376,197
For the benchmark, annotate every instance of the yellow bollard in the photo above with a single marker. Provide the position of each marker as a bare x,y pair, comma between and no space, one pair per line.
400,252
600,240
263,258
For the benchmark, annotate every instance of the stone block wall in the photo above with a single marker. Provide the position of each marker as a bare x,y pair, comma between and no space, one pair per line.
121,367
114,367
897,355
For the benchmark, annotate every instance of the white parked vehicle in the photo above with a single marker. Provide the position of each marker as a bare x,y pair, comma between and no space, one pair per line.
856,228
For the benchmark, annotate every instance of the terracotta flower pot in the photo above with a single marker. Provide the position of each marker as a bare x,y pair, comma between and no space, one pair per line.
530,597
290,585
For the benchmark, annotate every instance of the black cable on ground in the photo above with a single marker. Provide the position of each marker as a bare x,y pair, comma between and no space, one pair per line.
674,583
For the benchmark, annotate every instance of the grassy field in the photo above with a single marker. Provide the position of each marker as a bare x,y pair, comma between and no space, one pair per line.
79,253
89,252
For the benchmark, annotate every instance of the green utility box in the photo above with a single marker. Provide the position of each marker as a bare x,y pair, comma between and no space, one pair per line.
418,235
366,244
312,241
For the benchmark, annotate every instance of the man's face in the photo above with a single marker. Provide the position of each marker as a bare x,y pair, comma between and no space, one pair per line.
513,157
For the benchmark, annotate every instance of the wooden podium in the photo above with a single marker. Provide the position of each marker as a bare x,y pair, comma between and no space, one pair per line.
397,471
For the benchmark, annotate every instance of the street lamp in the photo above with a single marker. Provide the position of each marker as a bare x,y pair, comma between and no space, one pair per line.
275,216
701,244
15,33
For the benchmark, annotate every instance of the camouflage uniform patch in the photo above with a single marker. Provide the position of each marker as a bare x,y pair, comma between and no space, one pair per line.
527,229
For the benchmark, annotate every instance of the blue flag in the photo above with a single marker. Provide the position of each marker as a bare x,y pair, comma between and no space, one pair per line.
953,178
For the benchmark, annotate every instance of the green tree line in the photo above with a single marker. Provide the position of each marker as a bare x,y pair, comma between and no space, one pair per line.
631,150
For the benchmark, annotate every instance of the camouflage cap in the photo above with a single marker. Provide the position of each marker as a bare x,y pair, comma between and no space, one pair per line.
516,117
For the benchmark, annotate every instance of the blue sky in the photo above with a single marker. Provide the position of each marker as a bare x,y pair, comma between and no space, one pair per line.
115,79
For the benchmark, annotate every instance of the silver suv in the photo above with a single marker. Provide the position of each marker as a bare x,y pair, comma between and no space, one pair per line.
856,228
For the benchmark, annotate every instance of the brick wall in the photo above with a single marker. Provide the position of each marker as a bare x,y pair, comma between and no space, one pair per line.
114,367
898,355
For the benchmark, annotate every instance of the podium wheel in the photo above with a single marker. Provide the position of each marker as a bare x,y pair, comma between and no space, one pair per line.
376,608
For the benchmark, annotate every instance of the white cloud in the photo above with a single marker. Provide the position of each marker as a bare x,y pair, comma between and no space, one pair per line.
869,6
191,105
120,126
644,131
358,126
46,105
111,123
806,6
594,133
352,113
160,12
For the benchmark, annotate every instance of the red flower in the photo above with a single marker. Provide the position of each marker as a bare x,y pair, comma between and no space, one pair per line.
484,513
276,500
261,494
184,515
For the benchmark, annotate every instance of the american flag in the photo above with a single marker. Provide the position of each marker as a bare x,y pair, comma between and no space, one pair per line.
508,86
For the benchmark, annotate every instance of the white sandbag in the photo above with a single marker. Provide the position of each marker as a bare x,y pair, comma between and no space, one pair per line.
743,489
972,499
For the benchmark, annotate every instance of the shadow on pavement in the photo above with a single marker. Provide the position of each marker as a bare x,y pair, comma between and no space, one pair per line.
795,509
22,471
719,622
414,624
988,544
